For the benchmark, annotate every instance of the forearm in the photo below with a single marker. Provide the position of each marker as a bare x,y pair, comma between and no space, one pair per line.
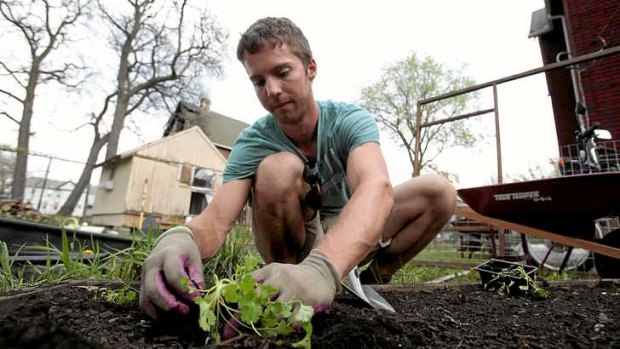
211,227
359,225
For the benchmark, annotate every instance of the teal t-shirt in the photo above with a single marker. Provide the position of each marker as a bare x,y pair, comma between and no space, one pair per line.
341,128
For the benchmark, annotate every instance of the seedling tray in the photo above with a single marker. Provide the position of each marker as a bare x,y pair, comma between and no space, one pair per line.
496,273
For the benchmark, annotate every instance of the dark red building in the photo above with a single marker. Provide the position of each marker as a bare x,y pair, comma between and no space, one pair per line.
569,29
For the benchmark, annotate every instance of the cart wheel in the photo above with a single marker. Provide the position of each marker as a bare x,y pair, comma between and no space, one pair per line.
608,267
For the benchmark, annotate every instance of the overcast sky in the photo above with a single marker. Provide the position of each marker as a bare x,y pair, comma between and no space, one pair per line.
351,42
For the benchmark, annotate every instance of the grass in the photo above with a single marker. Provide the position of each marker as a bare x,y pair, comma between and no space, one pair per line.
411,274
70,261
446,254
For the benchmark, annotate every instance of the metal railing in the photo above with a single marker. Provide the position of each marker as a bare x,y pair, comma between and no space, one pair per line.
495,109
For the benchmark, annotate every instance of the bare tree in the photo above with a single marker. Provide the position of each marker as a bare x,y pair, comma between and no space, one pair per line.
43,25
159,55
99,141
393,101
164,49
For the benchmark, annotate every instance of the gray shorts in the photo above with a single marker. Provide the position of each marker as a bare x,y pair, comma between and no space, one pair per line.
316,229
321,224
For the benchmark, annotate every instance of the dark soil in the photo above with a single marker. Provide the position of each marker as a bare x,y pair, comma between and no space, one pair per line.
577,315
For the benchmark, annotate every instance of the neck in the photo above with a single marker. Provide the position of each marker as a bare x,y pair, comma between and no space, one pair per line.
303,133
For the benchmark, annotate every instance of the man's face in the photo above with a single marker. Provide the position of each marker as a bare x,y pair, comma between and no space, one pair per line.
281,82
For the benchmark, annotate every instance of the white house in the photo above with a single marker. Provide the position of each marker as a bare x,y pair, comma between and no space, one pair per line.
48,195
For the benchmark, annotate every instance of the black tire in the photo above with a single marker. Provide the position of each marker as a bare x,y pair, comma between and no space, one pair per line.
608,267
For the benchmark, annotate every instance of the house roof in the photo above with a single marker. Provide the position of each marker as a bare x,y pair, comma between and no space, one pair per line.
138,150
51,184
221,130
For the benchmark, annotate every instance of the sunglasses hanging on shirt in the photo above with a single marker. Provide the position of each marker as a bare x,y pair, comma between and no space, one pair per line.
312,177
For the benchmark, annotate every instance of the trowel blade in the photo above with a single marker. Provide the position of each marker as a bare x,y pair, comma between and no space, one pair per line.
367,293
377,300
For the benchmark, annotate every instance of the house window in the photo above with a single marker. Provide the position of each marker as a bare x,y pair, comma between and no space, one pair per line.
203,178
198,203
108,184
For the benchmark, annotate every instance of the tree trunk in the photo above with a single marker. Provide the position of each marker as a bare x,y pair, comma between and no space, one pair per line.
69,205
23,139
117,126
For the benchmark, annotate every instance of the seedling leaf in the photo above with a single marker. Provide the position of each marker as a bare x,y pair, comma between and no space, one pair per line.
241,300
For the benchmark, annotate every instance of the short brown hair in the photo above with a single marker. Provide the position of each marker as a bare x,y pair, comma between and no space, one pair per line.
277,31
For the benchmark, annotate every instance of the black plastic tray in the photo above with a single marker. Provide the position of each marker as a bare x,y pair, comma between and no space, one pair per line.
491,275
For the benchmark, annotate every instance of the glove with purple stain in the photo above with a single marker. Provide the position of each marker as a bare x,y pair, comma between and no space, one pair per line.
315,281
174,257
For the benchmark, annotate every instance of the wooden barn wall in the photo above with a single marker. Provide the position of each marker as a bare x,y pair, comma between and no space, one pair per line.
110,202
154,172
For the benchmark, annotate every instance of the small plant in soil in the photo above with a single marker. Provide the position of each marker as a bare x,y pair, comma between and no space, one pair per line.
121,296
517,279
239,304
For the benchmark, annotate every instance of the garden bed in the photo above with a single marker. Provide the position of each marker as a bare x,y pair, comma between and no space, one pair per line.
577,315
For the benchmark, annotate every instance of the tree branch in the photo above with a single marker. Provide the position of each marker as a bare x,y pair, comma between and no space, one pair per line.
13,73
111,19
9,116
12,96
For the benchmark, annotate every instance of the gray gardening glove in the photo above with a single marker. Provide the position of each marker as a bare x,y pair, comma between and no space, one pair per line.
174,257
314,281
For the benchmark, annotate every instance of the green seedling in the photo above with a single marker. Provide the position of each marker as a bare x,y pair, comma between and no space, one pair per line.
245,305
504,283
121,296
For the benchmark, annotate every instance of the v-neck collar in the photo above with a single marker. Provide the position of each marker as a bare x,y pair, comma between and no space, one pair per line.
294,147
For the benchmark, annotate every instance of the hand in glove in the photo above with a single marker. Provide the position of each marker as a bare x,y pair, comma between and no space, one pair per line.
174,257
314,281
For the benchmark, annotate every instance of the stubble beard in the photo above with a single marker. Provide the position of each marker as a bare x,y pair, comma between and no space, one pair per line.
294,116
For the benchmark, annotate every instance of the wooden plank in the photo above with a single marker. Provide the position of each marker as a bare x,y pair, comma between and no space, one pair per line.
478,228
467,212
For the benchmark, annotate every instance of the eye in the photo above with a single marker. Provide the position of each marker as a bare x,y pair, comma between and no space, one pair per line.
284,72
258,82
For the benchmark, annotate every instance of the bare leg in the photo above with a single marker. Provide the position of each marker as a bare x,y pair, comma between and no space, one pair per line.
422,206
277,211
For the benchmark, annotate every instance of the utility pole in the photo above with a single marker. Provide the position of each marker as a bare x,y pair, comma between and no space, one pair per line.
86,200
47,172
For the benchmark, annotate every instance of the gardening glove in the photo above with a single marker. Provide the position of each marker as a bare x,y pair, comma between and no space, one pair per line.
314,281
174,257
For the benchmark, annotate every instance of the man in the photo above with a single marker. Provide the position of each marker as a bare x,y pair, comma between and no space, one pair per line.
318,185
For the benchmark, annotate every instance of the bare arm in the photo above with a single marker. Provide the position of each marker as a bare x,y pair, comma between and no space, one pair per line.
362,219
212,225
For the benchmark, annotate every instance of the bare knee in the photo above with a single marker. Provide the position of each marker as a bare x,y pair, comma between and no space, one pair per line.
278,176
429,193
441,195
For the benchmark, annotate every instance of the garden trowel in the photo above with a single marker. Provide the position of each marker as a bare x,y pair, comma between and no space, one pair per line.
366,293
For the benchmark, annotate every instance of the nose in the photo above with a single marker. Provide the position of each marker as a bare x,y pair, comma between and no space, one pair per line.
273,88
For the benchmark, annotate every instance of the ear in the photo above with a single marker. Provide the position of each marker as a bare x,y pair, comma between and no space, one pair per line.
311,69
